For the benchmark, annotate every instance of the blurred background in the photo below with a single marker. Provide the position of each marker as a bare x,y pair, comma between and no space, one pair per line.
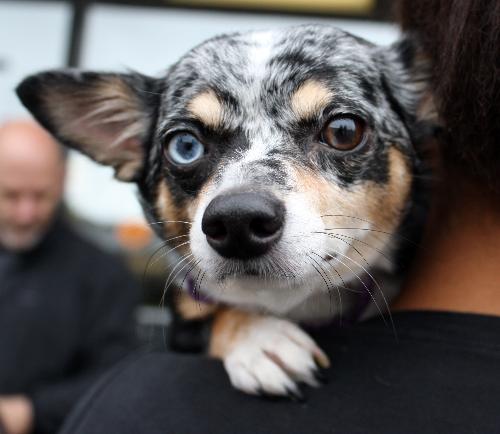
146,36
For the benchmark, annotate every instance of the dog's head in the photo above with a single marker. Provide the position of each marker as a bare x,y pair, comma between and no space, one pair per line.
277,157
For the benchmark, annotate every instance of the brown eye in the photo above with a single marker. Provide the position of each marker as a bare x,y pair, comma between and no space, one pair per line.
343,132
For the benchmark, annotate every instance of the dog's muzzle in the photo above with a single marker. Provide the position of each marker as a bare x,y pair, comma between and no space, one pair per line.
243,225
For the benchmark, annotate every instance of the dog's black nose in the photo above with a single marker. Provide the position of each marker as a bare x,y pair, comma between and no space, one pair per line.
243,225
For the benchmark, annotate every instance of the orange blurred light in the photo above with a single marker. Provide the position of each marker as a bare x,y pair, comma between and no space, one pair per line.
133,235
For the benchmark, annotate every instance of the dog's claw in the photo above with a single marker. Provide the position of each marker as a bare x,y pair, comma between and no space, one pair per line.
320,377
321,360
296,395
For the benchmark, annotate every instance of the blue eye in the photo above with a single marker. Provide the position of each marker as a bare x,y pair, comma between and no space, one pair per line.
185,149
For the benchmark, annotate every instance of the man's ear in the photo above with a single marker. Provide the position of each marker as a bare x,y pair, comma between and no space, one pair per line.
106,116
408,81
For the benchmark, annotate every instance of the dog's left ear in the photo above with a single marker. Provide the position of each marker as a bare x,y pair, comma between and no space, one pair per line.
407,80
106,116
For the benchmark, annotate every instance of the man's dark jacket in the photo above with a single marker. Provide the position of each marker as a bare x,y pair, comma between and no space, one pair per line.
65,316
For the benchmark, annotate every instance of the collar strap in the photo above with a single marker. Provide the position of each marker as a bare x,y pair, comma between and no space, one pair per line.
195,293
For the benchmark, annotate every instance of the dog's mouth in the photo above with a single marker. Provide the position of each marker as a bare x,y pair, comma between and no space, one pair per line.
263,270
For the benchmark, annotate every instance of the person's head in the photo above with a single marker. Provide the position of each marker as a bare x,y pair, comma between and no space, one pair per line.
462,39
31,183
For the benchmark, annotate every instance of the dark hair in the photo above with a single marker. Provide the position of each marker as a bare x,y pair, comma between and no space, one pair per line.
462,39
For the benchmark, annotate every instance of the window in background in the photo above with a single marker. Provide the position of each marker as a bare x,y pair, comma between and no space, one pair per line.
33,36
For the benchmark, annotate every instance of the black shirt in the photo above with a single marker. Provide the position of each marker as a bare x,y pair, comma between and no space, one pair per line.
441,375
65,316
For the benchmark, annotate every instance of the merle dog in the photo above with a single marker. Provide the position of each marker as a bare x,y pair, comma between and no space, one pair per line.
282,166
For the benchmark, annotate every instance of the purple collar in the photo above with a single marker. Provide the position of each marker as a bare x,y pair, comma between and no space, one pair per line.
196,294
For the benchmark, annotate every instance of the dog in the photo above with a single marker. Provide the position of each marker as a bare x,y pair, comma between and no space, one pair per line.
282,167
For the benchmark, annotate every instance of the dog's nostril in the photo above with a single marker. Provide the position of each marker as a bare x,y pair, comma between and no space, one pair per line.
264,227
215,230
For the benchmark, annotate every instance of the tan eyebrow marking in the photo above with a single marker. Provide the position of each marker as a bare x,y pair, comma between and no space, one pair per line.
309,98
207,108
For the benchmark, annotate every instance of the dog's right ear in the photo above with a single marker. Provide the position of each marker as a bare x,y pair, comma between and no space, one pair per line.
106,116
407,79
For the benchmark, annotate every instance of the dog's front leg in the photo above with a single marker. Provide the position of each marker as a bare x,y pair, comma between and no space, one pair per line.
265,354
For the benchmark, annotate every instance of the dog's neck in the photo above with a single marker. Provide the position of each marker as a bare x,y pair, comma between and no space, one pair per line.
458,266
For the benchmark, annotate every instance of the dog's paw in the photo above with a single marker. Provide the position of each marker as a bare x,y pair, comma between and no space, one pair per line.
263,354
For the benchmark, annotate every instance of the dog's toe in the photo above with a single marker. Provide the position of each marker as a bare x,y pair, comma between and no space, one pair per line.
242,378
258,375
272,357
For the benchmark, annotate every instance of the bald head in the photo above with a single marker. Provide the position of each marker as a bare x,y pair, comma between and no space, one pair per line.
28,142
31,183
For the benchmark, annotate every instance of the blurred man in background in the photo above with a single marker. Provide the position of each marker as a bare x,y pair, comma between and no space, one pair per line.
65,306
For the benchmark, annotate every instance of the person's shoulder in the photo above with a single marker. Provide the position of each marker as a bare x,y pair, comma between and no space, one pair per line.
154,375
379,383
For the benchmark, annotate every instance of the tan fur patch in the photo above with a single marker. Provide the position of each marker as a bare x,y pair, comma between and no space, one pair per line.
380,204
310,98
207,108
227,327
190,309
176,222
